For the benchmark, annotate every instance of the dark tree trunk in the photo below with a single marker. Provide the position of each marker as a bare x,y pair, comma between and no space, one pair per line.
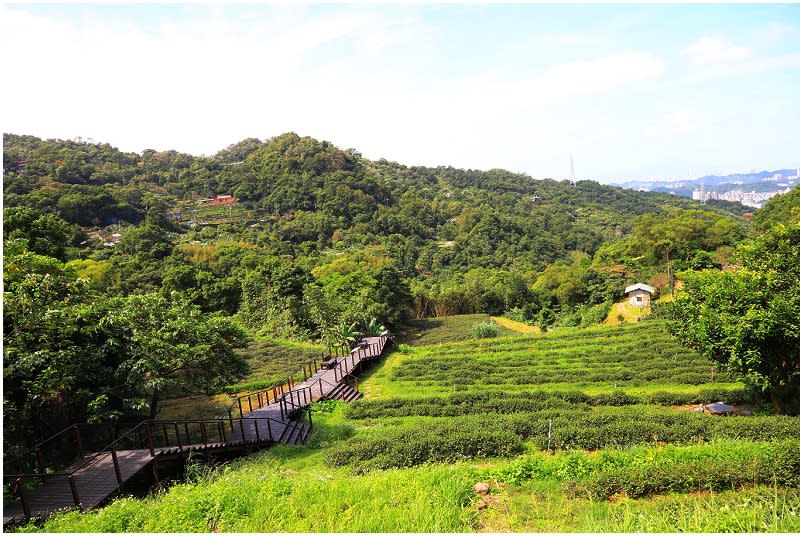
154,404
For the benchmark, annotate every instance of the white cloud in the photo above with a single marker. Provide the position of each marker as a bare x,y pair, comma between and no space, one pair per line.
681,121
715,49
780,29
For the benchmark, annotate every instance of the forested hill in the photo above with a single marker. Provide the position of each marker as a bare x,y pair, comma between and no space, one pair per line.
462,240
312,192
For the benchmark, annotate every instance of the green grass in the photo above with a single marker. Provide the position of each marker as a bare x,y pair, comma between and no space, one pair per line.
545,509
272,361
429,331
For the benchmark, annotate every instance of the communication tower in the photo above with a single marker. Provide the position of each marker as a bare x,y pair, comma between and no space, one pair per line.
572,172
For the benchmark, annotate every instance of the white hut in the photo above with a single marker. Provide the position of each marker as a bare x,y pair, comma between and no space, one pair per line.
639,294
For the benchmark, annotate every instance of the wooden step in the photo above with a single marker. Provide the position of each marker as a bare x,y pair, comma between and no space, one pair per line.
344,392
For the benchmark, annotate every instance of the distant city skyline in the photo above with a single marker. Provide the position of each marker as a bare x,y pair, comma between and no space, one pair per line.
632,92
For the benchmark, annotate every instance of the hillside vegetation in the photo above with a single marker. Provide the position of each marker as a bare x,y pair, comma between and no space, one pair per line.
315,243
573,431
145,285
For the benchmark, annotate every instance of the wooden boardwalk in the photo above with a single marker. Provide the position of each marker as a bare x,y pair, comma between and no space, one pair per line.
262,419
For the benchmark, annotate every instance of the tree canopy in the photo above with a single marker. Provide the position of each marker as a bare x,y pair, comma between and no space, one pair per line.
748,319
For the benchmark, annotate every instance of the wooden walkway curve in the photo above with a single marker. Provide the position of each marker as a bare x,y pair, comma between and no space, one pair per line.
255,421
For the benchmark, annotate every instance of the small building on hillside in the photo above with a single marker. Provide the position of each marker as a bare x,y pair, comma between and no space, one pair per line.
639,294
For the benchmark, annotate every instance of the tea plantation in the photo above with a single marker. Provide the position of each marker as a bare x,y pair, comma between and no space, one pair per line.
577,430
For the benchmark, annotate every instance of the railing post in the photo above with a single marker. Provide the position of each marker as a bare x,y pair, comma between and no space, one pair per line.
177,434
23,496
305,376
269,431
74,489
40,462
187,436
78,441
150,439
203,433
259,400
250,403
166,436
241,427
230,419
241,413
258,436
116,465
320,387
280,403
224,437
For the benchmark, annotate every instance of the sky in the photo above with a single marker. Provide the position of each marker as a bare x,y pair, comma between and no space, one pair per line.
630,91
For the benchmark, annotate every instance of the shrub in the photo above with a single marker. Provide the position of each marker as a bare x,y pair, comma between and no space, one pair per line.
440,442
779,463
517,314
485,330
596,314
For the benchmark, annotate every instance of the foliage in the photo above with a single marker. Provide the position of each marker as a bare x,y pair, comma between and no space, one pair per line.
481,435
485,330
781,209
173,345
436,442
747,319
501,402
46,234
70,356
260,493
775,464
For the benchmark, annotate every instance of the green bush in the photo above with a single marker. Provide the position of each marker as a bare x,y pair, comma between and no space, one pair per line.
485,330
439,442
596,314
780,463
517,314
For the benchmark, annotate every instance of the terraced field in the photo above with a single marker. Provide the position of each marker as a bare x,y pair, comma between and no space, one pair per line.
643,359
573,431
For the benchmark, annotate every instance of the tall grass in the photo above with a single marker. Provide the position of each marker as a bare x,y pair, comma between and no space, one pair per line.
262,495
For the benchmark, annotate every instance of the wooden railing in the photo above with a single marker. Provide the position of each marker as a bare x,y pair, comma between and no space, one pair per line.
155,438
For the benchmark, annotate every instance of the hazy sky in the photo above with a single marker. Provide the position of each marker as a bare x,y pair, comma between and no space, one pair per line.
631,91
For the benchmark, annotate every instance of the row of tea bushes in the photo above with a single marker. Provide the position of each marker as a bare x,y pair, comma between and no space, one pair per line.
640,471
502,402
484,435
779,465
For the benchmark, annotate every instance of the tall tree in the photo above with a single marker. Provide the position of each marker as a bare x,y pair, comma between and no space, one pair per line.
172,346
748,319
